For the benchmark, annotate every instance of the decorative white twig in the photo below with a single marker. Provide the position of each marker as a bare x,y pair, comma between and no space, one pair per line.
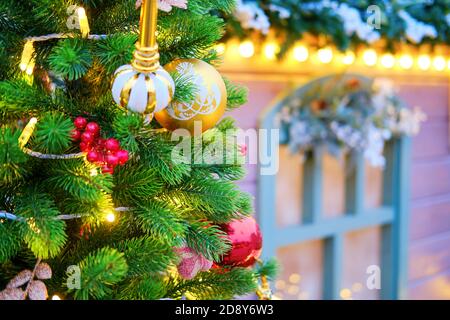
53,156
11,216
63,36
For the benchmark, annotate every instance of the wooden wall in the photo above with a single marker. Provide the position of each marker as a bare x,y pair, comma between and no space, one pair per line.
429,250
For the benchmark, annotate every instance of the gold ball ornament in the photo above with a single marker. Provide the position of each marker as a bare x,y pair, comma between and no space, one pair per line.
209,104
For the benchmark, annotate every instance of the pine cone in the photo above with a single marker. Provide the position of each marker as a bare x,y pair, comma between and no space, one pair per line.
37,290
43,271
20,279
12,294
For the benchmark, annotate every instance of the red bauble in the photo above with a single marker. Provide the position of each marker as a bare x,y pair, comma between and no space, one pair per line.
123,156
87,137
75,135
80,122
246,243
112,144
93,128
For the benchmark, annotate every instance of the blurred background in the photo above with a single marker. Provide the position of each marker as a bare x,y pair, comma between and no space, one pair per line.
331,224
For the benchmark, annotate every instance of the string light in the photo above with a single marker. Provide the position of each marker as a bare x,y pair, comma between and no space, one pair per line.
110,217
406,61
221,48
246,49
301,53
56,297
271,50
294,278
387,61
439,63
325,55
345,293
293,290
27,132
280,284
348,58
27,62
357,287
370,57
84,23
424,62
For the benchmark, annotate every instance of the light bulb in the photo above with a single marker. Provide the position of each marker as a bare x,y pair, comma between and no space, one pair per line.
27,60
348,58
271,50
387,61
439,63
345,293
246,49
325,55
111,217
301,53
406,61
56,297
424,62
220,48
83,21
370,57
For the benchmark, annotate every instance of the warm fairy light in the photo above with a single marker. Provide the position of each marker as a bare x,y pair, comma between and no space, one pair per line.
220,48
357,286
293,290
30,67
406,61
27,60
27,132
370,57
348,58
93,172
271,50
294,278
301,53
424,62
387,61
111,217
84,23
33,121
325,55
247,49
280,284
56,297
439,63
345,293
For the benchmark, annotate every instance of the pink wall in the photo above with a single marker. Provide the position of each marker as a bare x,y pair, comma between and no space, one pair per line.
429,254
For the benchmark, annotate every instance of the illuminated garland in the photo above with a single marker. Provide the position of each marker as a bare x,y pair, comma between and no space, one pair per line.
410,34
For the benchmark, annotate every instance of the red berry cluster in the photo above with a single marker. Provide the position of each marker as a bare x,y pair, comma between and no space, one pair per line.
103,152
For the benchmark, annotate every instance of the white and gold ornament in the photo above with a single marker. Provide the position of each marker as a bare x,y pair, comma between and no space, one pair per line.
210,101
144,86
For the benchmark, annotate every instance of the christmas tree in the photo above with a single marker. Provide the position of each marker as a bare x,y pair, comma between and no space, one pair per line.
97,200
